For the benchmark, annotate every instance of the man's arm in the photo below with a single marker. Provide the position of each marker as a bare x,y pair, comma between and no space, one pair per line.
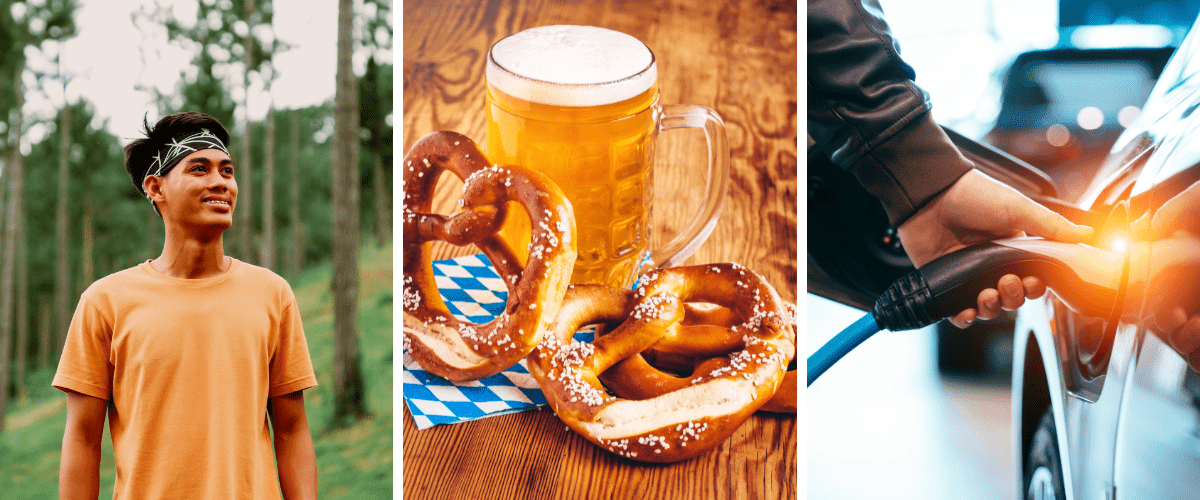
293,447
867,115
79,470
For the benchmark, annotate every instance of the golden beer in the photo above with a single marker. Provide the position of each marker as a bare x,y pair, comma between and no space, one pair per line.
580,105
602,164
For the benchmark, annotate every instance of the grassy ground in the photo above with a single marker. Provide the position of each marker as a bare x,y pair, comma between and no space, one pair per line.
353,462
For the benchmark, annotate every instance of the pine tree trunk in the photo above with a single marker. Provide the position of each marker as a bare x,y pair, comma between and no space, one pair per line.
348,390
244,204
383,202
87,249
8,265
62,230
22,327
296,262
244,168
268,217
45,329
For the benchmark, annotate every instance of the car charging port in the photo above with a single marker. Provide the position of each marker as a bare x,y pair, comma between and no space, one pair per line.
1087,338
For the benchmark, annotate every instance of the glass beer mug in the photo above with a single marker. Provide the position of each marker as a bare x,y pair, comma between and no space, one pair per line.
580,104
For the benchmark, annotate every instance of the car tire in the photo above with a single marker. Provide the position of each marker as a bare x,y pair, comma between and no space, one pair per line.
1043,469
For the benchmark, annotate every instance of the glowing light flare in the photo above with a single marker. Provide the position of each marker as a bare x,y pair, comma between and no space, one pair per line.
1127,115
1058,135
1118,243
1090,118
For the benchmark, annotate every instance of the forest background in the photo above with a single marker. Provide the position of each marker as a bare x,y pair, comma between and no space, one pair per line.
305,89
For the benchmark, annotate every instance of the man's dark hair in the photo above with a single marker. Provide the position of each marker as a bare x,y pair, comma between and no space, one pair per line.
139,154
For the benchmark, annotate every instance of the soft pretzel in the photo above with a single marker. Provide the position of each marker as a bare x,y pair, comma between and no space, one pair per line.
785,396
665,418
443,345
706,330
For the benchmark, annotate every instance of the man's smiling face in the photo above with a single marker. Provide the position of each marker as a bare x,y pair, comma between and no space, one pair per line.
200,191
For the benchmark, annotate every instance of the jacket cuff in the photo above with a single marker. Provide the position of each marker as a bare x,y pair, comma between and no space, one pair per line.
911,168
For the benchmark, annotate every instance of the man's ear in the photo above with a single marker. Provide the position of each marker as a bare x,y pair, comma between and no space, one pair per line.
153,186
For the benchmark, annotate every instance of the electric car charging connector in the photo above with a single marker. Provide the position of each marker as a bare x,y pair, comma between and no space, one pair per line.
1085,278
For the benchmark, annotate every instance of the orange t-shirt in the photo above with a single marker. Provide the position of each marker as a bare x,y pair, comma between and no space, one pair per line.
187,366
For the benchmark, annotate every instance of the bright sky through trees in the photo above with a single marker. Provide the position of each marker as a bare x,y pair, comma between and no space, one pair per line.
113,63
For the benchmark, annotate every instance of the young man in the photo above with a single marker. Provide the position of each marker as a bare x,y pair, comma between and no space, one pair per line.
190,354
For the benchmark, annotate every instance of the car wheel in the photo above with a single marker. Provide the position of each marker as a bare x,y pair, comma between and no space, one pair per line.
1043,469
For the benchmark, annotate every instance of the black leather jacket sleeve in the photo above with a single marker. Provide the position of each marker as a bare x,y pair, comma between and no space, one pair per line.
866,113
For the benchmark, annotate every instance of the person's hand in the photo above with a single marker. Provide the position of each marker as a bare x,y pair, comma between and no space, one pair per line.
1179,331
978,208
1174,234
1171,299
1177,214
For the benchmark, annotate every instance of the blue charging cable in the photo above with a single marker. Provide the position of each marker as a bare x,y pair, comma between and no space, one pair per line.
840,345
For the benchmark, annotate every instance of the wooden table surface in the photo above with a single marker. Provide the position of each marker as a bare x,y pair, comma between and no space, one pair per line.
737,57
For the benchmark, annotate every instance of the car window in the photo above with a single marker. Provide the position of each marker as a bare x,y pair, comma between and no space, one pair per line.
1111,87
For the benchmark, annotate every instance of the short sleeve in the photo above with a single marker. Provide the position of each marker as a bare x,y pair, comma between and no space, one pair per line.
291,366
84,366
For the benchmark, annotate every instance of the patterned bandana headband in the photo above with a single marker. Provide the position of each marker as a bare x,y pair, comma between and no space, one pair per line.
176,150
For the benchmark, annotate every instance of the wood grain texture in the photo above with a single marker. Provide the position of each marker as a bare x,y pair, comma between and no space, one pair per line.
738,58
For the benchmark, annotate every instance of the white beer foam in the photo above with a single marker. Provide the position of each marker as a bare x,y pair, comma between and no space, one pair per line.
571,66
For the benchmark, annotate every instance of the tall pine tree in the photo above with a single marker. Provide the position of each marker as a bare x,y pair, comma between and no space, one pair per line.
22,25
349,401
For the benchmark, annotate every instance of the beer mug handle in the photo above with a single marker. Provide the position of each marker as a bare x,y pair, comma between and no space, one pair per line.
674,116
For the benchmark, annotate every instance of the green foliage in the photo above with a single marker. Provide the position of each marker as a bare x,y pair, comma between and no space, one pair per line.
97,182
28,24
315,157
257,28
375,26
221,29
206,93
217,37
31,446
375,106
352,463
355,461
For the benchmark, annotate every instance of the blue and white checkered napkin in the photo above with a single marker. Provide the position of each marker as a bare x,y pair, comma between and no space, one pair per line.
472,292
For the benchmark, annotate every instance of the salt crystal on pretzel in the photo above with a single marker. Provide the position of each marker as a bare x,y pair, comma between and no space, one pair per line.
461,351
657,417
